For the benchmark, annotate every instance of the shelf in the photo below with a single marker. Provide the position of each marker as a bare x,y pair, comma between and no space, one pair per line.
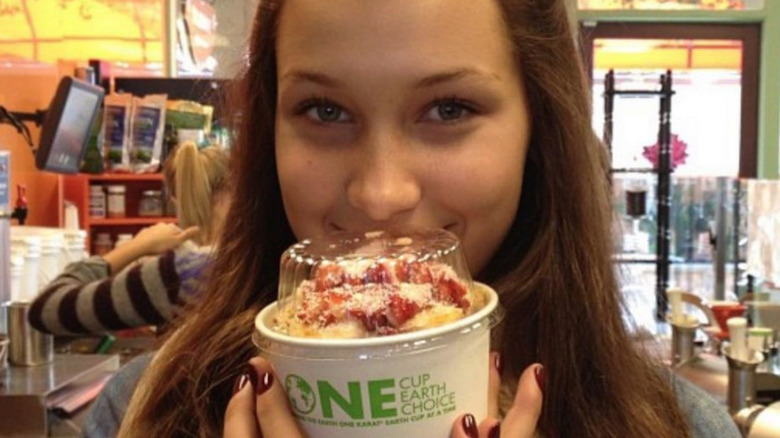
77,187
131,221
126,177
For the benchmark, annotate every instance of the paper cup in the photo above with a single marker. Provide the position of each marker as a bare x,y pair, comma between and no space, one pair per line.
406,385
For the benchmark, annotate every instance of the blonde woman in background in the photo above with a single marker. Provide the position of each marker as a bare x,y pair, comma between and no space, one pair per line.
146,280
197,180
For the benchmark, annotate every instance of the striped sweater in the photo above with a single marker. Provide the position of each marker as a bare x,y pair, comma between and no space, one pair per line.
85,298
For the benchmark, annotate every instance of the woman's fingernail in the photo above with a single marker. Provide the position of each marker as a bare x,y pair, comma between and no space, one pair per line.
495,431
541,377
248,376
240,382
498,363
470,426
266,380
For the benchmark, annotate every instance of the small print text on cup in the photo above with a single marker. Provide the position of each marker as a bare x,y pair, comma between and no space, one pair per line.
371,403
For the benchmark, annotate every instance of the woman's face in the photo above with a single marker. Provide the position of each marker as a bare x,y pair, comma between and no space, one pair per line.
400,113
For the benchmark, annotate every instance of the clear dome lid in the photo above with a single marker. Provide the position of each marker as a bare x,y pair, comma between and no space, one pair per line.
381,278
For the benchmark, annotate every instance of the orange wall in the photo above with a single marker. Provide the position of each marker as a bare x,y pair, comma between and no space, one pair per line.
25,89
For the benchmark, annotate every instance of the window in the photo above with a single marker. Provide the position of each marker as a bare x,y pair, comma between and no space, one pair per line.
715,80
707,80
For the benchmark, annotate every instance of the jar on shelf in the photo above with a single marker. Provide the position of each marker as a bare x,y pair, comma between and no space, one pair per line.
123,238
151,203
102,244
97,201
116,201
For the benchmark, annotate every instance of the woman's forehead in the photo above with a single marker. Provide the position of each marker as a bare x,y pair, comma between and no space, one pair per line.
360,35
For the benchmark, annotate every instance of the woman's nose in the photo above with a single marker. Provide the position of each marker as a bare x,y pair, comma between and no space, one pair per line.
385,185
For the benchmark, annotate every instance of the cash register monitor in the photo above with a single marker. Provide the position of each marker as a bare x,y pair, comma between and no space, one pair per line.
67,125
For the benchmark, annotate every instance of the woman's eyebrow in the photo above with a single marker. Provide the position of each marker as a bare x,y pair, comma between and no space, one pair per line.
454,75
428,81
310,76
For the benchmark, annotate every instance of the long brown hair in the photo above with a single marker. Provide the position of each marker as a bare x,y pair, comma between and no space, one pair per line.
553,271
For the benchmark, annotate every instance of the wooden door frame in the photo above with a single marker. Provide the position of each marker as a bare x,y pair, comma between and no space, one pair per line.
748,34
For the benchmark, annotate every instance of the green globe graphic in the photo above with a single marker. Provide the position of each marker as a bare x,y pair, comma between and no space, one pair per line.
300,394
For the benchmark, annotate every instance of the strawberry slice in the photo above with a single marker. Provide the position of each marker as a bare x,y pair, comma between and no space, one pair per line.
448,290
402,270
419,273
401,310
352,279
378,273
328,276
373,322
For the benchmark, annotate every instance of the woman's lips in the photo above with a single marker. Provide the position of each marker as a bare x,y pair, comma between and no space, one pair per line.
454,229
332,227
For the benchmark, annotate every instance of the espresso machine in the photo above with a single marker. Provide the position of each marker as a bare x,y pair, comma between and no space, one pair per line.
742,368
746,384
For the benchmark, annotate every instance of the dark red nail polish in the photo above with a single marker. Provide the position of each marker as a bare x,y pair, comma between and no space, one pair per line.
495,431
498,363
470,426
249,375
240,382
252,375
541,377
266,380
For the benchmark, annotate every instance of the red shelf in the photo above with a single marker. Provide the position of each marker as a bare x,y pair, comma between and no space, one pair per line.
76,190
130,221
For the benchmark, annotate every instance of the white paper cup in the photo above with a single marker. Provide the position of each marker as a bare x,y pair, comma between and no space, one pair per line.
407,385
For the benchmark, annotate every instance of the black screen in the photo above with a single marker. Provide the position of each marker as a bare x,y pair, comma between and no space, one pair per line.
67,126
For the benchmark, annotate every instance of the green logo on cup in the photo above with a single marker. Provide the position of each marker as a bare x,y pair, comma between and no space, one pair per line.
390,401
300,393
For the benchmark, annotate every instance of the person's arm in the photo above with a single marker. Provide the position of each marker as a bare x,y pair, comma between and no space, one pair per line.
149,241
138,296
83,299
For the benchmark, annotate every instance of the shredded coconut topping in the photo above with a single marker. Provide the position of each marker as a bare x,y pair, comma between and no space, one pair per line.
387,297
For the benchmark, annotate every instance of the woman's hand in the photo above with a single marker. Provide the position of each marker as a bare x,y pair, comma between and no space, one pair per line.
149,241
259,407
521,418
161,237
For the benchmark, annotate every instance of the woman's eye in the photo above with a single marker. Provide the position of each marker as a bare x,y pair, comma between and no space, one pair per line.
448,111
325,112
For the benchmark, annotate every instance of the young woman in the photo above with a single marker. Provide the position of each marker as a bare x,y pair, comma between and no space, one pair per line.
99,294
472,116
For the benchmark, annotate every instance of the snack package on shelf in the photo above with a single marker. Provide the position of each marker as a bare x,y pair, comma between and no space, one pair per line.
148,123
117,113
188,115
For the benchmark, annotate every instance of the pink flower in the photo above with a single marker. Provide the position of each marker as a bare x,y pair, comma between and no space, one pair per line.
679,152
